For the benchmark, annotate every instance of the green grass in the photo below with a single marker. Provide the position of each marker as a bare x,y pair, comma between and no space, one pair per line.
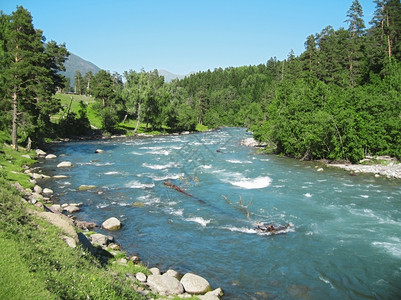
34,259
11,163
14,271
66,103
201,128
36,263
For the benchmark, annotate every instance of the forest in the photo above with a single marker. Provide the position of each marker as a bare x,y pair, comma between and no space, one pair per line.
338,100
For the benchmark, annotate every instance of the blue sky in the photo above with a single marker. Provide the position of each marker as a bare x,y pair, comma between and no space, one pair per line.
182,36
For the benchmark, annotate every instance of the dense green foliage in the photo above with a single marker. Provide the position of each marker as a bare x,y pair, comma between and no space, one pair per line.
339,99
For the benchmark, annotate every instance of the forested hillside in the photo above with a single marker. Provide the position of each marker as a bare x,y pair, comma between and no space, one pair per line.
339,99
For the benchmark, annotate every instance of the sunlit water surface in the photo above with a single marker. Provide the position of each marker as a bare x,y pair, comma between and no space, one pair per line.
345,239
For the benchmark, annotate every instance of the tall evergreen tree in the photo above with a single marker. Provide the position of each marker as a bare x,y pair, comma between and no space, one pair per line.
355,19
30,73
357,30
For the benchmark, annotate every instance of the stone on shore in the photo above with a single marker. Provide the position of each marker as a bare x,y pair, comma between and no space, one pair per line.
36,176
70,241
47,191
111,224
194,284
72,209
99,239
85,187
37,189
165,285
85,225
64,164
40,153
154,271
56,208
174,274
141,277
61,221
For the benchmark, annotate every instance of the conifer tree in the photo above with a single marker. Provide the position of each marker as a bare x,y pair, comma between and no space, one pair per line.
357,29
29,73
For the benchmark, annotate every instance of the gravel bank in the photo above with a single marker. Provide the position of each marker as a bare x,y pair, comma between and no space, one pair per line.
392,170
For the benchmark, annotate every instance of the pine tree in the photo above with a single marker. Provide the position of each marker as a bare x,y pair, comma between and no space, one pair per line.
29,73
25,56
357,30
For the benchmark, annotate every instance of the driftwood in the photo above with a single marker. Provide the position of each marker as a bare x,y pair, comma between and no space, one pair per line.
271,229
242,207
175,187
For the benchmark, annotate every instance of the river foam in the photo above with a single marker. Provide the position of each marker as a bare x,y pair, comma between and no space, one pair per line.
252,183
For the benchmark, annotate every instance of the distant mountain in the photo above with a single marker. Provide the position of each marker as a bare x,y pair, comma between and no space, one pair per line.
75,63
168,77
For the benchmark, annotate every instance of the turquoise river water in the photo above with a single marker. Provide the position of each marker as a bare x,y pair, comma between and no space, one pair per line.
345,236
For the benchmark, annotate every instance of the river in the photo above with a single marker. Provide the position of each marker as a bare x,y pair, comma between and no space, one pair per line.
344,241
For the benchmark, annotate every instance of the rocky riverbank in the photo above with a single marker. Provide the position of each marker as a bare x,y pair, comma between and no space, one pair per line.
379,166
77,232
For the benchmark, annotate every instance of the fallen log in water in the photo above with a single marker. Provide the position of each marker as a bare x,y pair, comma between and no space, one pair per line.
177,188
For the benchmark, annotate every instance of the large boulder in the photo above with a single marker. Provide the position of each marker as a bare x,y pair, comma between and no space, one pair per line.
194,284
64,164
61,221
111,224
99,239
165,284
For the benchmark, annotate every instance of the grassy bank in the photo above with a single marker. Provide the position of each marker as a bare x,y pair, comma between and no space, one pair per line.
36,263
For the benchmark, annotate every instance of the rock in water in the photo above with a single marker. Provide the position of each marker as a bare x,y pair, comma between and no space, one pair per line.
112,224
72,209
194,284
50,156
64,164
250,142
85,187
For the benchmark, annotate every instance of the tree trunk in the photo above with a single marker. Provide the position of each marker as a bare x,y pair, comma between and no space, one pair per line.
138,118
388,36
14,141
